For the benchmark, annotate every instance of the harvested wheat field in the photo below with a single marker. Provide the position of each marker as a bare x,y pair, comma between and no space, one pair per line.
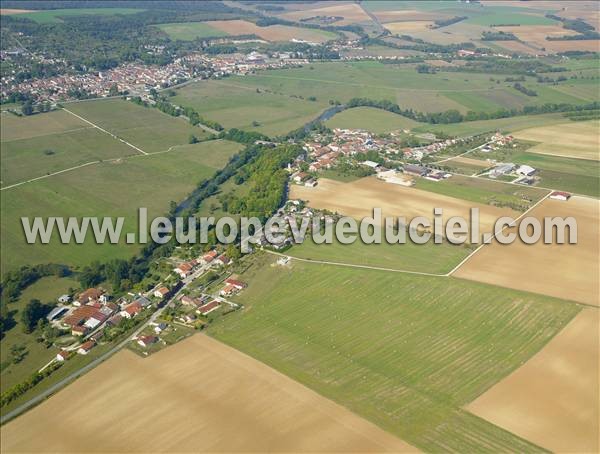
575,139
568,271
536,35
350,12
358,198
272,32
552,400
9,11
470,161
519,47
198,395
409,26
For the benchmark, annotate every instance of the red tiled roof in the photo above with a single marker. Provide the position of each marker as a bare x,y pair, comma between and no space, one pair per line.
235,282
208,307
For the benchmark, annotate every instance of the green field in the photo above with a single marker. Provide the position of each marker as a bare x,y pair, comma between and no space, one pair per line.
427,258
406,352
487,192
29,158
189,31
54,15
107,189
402,84
234,104
509,18
145,127
375,120
511,124
47,290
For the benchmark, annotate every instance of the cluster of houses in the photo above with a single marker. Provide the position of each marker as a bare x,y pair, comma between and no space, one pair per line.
212,258
242,64
130,77
498,141
93,309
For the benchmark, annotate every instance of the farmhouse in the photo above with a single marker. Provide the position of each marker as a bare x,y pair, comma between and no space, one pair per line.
85,348
412,169
80,315
131,310
184,270
222,260
210,256
90,295
146,341
208,308
161,292
300,177
62,355
559,195
79,331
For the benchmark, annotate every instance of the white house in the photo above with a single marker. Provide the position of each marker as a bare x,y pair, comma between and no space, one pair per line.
559,195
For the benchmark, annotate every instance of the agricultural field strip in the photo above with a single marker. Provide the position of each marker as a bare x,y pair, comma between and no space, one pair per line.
49,134
466,259
394,270
352,265
388,87
105,131
87,164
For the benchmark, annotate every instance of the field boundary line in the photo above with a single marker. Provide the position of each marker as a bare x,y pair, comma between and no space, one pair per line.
168,150
496,233
49,134
49,175
105,131
351,265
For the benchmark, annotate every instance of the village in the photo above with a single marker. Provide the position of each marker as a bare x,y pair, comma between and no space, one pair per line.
394,161
196,292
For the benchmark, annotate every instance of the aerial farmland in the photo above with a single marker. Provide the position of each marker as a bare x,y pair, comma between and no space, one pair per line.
140,313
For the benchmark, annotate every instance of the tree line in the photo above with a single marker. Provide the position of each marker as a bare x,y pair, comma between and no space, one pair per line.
454,116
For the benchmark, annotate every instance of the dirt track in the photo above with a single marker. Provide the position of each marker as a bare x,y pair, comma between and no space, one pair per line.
553,399
359,197
568,271
198,395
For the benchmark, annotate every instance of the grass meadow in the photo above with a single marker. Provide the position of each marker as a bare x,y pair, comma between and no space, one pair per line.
427,258
402,84
54,15
235,104
375,120
406,352
145,127
189,31
115,188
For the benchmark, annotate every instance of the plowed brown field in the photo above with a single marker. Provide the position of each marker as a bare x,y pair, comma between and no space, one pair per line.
198,395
